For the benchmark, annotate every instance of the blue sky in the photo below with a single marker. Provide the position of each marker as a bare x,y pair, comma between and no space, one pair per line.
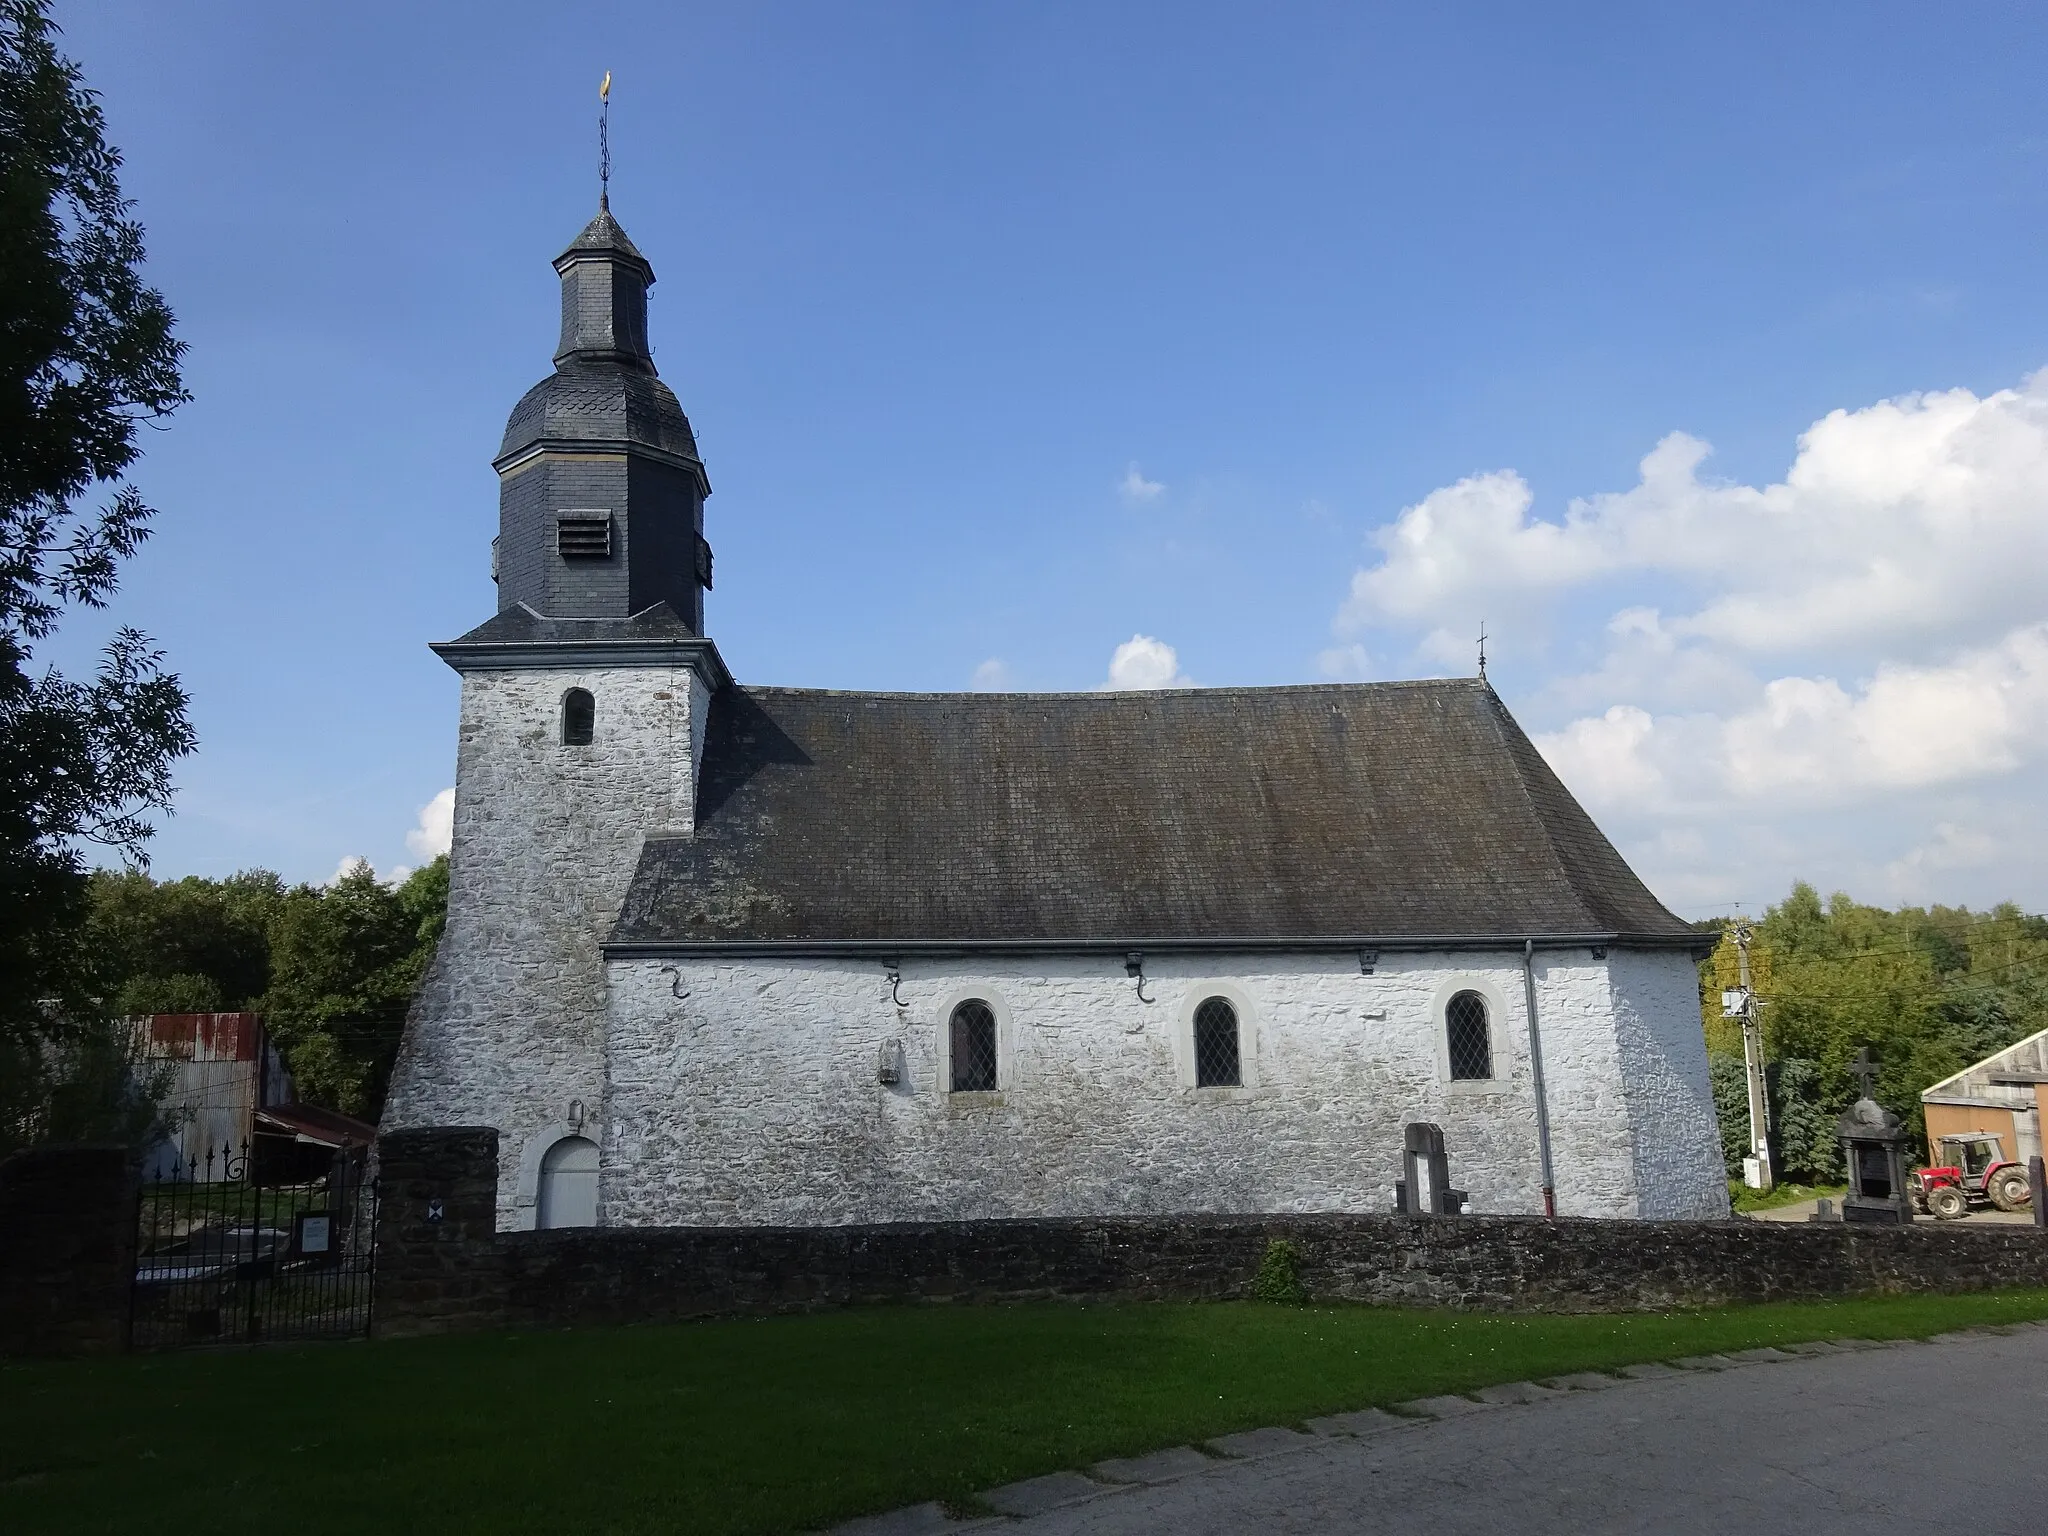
1292,341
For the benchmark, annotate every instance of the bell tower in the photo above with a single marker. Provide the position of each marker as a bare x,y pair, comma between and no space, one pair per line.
601,491
584,699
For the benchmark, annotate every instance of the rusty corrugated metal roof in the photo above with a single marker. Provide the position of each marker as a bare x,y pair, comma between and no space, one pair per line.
204,1036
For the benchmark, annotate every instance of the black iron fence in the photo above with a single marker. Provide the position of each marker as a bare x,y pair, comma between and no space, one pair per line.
224,1259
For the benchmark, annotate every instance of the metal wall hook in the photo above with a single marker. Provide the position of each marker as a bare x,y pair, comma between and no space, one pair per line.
675,987
894,971
1134,967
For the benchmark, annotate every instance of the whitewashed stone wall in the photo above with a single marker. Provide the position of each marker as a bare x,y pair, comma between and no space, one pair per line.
1670,1094
509,1028
754,1098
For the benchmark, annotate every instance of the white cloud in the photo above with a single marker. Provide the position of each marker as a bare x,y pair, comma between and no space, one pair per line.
349,865
1344,663
1915,518
992,676
1457,653
1951,847
1809,740
1906,728
1602,758
1464,542
1134,487
1645,662
436,829
1143,662
1840,676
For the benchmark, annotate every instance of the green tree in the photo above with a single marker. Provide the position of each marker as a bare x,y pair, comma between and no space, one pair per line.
1731,1106
1927,991
183,946
345,962
86,356
332,968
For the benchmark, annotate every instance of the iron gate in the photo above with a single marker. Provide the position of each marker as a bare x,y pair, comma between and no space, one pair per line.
225,1259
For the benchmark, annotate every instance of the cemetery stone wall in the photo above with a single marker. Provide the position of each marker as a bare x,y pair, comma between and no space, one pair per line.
455,1272
67,1249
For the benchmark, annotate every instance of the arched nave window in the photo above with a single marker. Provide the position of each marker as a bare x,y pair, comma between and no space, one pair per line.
1216,1049
579,718
974,1047
1469,1038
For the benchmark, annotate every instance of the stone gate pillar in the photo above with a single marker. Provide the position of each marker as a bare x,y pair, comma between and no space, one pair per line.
438,1264
67,1249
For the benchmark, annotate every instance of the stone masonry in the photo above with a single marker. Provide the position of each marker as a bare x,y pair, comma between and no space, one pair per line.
670,940
747,1091
454,1273
67,1249
509,1024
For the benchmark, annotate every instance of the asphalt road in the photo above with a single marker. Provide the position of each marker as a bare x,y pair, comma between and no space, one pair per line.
1923,1438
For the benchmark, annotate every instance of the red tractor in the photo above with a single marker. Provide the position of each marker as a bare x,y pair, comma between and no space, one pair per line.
1974,1172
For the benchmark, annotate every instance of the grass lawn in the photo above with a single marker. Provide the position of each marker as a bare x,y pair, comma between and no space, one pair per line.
770,1425
1743,1198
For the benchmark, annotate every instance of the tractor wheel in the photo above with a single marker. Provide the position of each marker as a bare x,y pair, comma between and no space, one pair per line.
2009,1191
1946,1202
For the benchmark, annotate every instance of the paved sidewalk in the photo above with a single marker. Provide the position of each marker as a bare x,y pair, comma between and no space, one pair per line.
1813,1440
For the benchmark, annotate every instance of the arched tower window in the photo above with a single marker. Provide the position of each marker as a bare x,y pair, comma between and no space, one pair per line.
1468,1037
568,1184
974,1047
1216,1063
579,718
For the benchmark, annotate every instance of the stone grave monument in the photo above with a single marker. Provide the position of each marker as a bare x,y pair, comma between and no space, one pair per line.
1424,1188
1874,1144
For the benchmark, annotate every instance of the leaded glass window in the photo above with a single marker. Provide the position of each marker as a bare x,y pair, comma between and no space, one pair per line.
1216,1064
1471,1043
974,1047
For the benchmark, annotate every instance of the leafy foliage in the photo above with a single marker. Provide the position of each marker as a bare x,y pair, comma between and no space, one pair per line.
344,964
86,356
1279,1276
1928,991
184,946
332,968
1731,1106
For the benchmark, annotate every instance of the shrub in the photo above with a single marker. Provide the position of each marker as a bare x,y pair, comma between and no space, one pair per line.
1279,1276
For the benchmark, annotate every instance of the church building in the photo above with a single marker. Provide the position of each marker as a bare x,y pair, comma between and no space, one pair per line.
720,953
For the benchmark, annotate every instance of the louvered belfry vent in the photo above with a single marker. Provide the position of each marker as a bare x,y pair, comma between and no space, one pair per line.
584,535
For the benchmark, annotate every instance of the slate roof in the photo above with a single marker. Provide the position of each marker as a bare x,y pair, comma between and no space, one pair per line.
519,636
599,402
1385,811
522,625
604,233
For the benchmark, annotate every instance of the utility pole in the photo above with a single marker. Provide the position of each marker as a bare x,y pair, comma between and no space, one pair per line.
1742,1004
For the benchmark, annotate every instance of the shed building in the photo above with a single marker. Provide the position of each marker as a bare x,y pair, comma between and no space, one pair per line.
1993,1095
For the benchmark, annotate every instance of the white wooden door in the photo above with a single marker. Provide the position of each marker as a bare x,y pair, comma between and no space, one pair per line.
568,1184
